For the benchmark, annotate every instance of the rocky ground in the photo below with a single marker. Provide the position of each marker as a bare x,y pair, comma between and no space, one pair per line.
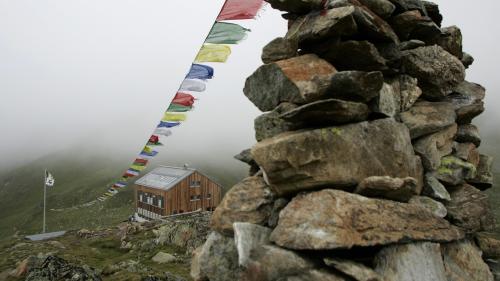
156,251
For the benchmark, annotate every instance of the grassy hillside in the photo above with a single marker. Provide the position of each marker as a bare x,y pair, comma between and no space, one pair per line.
79,179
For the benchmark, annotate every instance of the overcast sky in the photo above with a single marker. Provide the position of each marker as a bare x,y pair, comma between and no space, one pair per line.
102,72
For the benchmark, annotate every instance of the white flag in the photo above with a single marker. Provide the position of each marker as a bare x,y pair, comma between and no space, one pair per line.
49,179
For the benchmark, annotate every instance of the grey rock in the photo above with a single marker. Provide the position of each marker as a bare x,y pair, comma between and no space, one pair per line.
489,244
434,189
484,177
245,157
359,272
438,72
248,237
433,206
162,257
334,219
409,91
425,118
327,112
433,12
356,85
467,98
374,27
216,260
388,103
248,201
451,41
279,49
315,27
467,60
408,5
297,80
469,209
454,171
336,156
467,152
391,188
432,148
468,133
315,275
411,262
382,8
279,204
463,261
271,124
411,44
352,55
55,268
296,6
412,25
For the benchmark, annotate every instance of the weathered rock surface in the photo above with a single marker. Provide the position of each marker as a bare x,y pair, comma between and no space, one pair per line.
337,156
296,6
297,80
271,124
434,189
435,207
469,209
353,55
412,25
356,85
162,257
433,12
468,133
411,44
408,5
467,60
484,175
451,41
216,260
467,152
55,268
488,244
248,201
432,148
438,72
409,91
327,112
415,262
388,103
425,118
359,272
279,204
463,261
334,219
248,237
373,27
467,98
391,188
279,49
315,27
454,171
383,8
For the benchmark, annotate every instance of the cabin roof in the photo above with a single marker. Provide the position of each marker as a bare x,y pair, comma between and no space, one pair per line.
164,177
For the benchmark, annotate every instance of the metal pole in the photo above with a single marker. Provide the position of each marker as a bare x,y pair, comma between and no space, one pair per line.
44,197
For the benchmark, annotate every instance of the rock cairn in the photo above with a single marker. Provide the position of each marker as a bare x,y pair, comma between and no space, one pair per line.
367,164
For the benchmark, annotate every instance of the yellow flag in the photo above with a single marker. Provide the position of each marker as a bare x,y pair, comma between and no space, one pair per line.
213,53
137,167
148,149
174,117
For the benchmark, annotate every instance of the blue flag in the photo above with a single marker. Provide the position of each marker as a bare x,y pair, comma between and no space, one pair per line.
200,71
164,124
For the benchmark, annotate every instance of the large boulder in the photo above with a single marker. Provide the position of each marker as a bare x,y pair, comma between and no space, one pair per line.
327,112
468,133
469,209
316,27
467,152
408,89
248,201
438,72
334,219
411,262
217,259
391,188
356,85
352,55
337,156
297,80
383,8
451,41
454,171
467,98
271,124
463,261
279,49
425,118
435,207
248,237
433,147
409,5
412,25
296,6
433,12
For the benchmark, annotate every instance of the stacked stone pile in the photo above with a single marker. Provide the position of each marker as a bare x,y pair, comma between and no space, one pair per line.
367,165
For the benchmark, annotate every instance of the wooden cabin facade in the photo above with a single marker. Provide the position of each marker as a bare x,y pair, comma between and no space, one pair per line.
170,190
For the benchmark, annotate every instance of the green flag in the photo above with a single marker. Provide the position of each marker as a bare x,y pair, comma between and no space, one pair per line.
227,33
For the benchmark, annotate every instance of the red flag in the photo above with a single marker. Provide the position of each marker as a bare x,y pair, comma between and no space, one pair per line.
183,99
240,9
154,139
141,161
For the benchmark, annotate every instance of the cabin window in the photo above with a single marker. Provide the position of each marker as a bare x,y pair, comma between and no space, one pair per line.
195,197
159,203
195,184
209,196
175,212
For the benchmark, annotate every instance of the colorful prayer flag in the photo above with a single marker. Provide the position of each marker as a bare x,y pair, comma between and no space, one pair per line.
193,85
240,9
168,124
213,53
140,161
132,173
200,71
163,132
138,167
119,185
226,33
174,117
183,99
179,108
